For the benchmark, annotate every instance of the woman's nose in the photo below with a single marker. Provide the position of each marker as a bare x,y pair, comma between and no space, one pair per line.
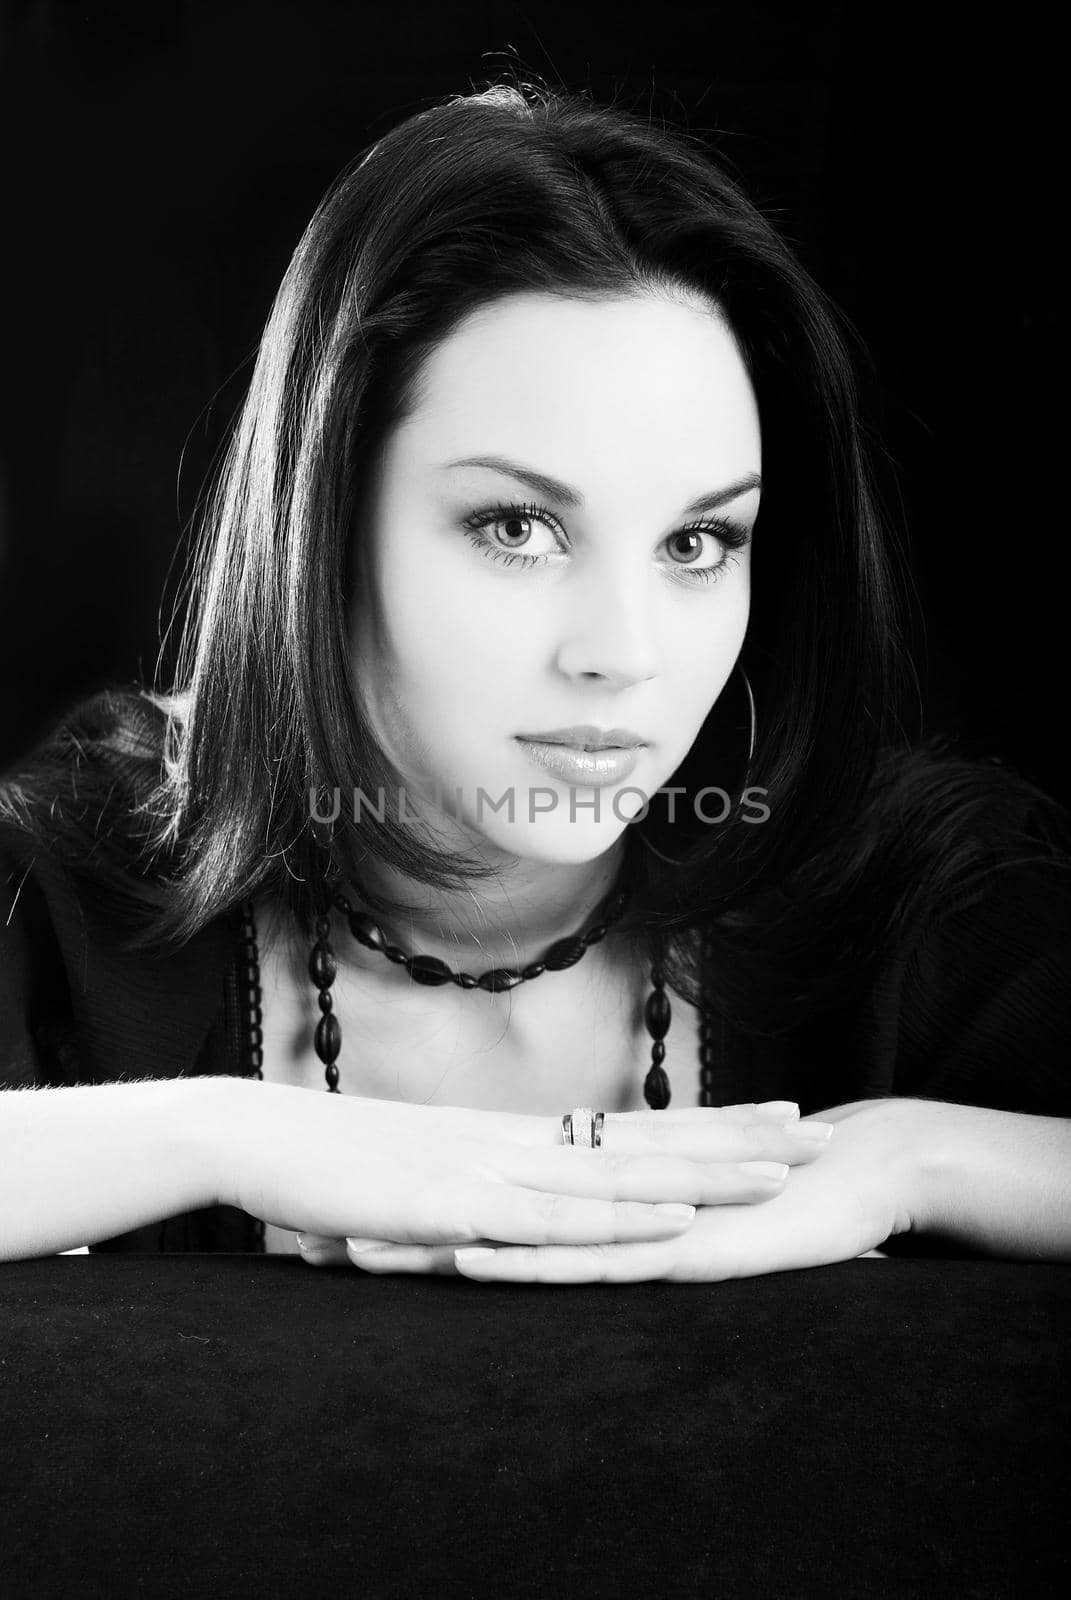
611,630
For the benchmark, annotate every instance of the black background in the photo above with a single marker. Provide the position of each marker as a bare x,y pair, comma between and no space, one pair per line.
162,158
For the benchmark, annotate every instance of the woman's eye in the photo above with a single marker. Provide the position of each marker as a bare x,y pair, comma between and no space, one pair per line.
690,549
508,533
511,533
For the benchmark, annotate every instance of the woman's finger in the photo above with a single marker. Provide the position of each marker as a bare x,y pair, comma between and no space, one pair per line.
632,1263
531,1216
749,1111
319,1251
382,1256
550,1216
641,1178
514,1128
750,1183
718,1138
657,1178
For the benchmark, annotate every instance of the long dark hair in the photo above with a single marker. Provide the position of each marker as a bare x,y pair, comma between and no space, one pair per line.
519,188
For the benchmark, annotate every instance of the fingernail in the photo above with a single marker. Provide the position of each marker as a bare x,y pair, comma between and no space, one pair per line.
816,1132
363,1244
675,1213
781,1108
300,1237
472,1254
766,1169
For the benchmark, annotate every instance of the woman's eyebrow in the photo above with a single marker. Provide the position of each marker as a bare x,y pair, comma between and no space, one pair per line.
553,489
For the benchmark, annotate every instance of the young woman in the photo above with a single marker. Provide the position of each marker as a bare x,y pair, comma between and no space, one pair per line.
540,741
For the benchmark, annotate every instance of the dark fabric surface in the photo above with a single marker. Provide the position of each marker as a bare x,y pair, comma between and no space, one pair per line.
237,1425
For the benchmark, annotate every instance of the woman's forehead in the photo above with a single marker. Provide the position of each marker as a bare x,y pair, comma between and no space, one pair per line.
570,381
653,332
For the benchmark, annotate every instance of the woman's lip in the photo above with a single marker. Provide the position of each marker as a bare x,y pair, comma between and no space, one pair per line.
574,765
586,736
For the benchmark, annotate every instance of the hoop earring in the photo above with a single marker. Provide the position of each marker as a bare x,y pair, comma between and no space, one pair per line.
751,714
669,861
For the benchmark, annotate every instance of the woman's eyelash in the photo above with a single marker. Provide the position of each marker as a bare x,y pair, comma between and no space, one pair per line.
729,534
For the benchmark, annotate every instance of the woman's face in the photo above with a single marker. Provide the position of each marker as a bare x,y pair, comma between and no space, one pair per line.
585,601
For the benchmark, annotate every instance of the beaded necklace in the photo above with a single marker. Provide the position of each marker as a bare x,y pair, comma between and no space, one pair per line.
429,970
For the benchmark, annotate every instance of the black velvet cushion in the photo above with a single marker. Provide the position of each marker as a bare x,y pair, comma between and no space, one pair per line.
234,1425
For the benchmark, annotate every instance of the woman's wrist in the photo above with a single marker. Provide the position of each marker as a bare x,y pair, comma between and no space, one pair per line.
929,1155
221,1111
999,1181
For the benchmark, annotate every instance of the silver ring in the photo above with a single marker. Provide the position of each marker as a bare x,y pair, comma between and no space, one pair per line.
582,1126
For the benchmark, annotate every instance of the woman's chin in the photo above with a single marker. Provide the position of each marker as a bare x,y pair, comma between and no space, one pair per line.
562,845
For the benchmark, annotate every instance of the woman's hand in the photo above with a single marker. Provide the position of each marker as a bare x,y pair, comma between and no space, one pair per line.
833,1209
441,1177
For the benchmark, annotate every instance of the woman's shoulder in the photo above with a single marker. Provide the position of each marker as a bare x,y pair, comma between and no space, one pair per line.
85,817
979,992
951,827
950,781
939,827
88,794
117,732
951,851
82,998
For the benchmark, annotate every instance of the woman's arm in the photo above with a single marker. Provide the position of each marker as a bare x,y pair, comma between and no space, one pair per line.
82,1164
999,1181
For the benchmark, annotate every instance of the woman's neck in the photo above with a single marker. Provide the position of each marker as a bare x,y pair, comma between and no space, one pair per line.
508,920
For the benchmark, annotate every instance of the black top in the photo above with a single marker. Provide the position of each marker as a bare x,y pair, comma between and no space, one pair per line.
973,1006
